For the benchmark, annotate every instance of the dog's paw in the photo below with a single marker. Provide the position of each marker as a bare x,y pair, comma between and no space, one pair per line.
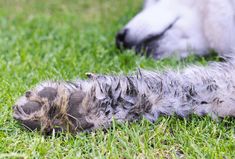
55,107
29,108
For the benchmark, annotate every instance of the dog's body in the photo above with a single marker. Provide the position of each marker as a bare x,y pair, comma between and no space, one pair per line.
164,26
181,26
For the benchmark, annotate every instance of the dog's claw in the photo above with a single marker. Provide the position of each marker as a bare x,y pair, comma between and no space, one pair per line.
28,94
18,112
91,75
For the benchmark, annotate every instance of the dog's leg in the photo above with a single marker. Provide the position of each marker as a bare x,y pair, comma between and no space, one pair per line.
94,103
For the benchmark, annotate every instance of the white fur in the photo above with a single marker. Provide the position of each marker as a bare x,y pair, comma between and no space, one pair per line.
201,25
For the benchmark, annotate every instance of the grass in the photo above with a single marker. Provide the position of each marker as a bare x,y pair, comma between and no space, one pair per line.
63,39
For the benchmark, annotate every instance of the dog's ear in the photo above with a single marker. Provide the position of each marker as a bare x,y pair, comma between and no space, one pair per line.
149,3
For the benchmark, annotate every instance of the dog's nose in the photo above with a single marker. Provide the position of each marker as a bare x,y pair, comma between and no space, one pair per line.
121,39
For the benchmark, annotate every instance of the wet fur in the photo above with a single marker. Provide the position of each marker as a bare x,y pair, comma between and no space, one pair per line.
86,105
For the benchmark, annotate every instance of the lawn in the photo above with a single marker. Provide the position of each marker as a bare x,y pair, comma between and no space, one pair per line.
64,39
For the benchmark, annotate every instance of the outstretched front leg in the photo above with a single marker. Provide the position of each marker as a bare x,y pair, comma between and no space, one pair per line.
94,103
83,105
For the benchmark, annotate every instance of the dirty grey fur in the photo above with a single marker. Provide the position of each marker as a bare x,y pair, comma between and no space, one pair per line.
85,105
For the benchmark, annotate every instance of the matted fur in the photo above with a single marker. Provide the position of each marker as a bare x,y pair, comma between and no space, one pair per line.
102,98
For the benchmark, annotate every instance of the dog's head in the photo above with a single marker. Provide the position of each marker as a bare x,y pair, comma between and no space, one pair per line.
163,27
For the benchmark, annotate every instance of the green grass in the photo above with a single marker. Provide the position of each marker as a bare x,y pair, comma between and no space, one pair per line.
63,39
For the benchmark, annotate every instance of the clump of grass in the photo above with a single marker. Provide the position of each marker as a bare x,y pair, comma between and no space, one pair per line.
61,39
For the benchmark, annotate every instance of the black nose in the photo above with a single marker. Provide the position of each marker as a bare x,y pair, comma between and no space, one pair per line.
121,39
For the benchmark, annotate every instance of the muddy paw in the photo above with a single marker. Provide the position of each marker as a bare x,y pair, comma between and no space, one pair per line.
53,109
28,108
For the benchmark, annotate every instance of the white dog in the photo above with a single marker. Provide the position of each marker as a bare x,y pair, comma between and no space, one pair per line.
164,27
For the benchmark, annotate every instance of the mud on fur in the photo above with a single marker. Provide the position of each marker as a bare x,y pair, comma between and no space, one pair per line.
85,105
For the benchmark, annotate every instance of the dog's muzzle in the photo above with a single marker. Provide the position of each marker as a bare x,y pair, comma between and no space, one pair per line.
121,42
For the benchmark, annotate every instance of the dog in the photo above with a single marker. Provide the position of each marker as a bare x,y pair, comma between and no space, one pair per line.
181,27
165,26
